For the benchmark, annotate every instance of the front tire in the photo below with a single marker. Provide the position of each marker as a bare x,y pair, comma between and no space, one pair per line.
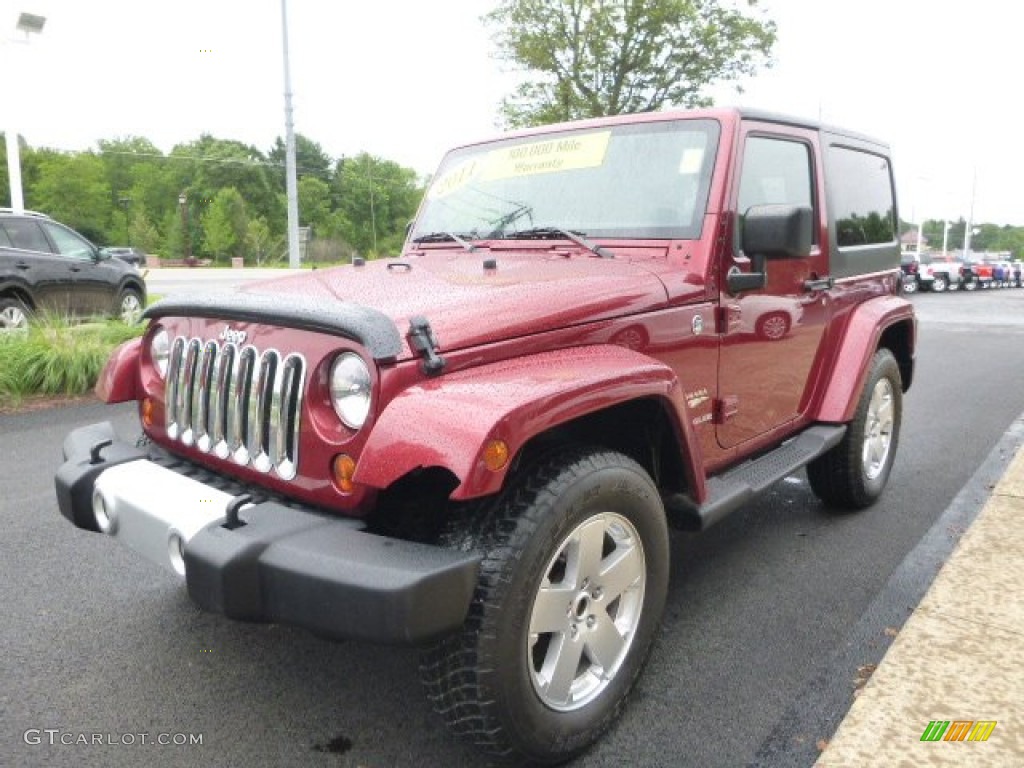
939,284
129,306
570,594
853,475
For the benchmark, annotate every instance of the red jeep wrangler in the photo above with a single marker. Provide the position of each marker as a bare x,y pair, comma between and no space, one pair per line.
595,331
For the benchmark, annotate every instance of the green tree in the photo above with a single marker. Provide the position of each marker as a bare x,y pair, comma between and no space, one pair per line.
375,200
225,224
589,58
73,189
314,202
260,243
310,159
141,232
204,167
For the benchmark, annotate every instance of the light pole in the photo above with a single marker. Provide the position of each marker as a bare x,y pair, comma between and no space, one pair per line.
291,183
970,219
945,238
185,235
29,24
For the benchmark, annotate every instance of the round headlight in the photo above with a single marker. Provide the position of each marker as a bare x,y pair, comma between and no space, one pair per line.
160,351
351,387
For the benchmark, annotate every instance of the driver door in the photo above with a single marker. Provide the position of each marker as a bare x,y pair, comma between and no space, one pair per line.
771,336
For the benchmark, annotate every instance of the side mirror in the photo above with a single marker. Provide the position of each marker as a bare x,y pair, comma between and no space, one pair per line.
771,232
778,231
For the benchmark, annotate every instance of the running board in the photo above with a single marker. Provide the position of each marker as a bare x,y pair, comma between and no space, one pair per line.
731,490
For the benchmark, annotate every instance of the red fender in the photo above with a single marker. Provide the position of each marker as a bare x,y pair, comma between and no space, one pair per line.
447,421
860,340
118,383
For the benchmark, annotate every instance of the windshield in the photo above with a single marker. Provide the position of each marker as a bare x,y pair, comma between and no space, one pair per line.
646,180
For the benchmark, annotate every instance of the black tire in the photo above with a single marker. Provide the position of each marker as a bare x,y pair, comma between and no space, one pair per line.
971,284
14,316
129,306
910,285
852,476
487,681
939,283
773,326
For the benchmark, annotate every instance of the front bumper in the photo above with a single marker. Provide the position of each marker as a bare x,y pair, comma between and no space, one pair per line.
276,563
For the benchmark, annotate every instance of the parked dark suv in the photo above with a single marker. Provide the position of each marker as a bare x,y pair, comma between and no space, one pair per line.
47,266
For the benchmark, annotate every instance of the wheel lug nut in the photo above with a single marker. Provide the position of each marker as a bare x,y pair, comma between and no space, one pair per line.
591,621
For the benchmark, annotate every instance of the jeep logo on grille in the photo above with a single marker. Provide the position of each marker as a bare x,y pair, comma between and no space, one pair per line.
231,336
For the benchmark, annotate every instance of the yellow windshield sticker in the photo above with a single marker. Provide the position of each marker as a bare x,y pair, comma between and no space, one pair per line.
548,156
456,178
692,160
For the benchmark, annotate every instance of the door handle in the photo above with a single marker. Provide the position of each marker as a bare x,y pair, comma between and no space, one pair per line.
22,265
818,284
76,269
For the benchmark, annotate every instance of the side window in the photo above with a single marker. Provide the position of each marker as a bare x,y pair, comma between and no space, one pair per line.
68,243
26,235
862,198
775,172
5,241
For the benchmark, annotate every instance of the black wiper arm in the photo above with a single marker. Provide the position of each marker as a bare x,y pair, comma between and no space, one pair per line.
440,237
541,233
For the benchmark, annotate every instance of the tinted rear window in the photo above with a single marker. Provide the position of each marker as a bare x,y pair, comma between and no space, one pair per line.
862,198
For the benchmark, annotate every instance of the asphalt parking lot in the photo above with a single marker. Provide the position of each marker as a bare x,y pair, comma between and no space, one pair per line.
98,642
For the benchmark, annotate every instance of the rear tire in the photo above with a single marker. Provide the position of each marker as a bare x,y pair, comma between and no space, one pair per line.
939,284
13,315
853,475
529,678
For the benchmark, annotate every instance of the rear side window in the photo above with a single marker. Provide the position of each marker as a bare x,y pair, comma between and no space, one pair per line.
863,200
863,211
26,235
5,241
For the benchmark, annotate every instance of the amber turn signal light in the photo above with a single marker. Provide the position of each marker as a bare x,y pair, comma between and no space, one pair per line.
147,411
343,468
496,455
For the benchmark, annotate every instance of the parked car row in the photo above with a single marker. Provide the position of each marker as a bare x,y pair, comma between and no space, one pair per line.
939,275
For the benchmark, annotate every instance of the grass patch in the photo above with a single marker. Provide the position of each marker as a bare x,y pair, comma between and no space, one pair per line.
55,357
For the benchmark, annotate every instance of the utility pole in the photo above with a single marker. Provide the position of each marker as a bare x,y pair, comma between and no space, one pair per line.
291,182
970,219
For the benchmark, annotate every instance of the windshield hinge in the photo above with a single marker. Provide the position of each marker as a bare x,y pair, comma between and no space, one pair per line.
423,342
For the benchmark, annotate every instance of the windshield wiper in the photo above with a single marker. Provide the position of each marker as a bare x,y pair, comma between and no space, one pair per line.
541,233
440,237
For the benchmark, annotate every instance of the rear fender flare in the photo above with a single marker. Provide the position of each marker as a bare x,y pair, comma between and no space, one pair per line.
448,421
861,338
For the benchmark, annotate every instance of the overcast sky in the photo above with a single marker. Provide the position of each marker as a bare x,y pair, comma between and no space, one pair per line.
407,79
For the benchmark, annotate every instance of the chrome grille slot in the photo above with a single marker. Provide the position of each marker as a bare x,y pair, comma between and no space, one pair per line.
260,409
222,392
171,389
236,403
186,387
238,414
205,367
